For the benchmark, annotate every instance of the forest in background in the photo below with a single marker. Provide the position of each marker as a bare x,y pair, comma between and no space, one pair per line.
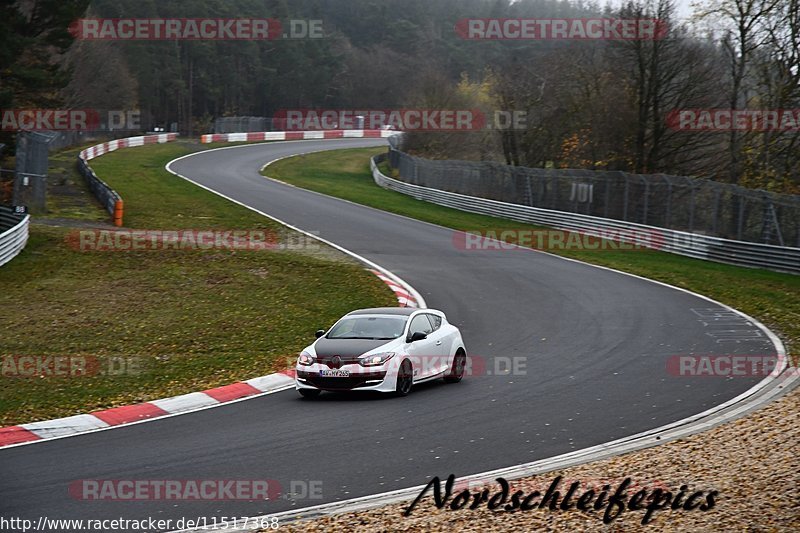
590,104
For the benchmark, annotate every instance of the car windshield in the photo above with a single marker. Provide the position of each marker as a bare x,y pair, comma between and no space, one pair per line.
369,327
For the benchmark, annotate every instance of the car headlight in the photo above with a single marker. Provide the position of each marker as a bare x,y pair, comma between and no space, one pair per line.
375,359
306,359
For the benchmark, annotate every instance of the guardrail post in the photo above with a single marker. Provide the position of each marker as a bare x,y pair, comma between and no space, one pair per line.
554,196
646,198
668,207
625,201
740,221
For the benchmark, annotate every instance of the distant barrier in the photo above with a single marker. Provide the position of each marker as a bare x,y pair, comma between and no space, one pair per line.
680,203
13,234
779,258
295,135
111,200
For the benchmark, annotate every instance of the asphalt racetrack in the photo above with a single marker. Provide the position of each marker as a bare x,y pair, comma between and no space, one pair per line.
593,346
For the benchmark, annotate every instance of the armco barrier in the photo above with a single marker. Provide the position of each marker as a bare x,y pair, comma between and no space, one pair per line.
779,258
13,234
680,203
295,135
107,196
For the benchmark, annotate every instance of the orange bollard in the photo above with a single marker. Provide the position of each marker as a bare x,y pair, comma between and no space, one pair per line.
118,213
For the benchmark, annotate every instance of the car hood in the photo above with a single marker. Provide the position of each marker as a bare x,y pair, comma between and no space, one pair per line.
347,349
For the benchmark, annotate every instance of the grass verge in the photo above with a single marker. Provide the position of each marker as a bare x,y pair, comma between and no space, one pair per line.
771,297
167,322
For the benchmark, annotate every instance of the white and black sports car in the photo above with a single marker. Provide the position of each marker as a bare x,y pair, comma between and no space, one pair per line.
384,349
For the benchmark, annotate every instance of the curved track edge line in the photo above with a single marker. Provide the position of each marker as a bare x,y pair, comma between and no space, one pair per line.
411,290
127,415
781,381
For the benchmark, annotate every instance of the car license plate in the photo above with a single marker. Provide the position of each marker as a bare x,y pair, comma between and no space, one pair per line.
337,373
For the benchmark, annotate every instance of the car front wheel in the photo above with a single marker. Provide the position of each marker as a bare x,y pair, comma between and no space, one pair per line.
456,372
309,393
405,378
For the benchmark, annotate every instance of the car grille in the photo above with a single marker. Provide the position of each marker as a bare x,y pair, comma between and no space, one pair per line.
346,360
353,382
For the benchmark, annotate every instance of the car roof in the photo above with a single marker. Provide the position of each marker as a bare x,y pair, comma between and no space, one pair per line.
404,311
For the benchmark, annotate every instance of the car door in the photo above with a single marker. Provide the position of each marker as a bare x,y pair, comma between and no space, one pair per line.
423,352
440,344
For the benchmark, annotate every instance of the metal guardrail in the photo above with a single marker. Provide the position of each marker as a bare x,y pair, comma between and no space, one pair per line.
111,200
13,234
779,258
680,203
258,136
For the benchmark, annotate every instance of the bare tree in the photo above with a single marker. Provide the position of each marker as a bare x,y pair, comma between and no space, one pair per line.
665,74
776,164
744,22
96,66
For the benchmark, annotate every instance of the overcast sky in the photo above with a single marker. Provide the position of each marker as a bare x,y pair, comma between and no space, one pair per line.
683,8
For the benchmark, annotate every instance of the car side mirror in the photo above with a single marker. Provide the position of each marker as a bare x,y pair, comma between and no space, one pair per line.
417,336
319,333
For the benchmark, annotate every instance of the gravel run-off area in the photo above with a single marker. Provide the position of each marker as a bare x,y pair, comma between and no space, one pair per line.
753,464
